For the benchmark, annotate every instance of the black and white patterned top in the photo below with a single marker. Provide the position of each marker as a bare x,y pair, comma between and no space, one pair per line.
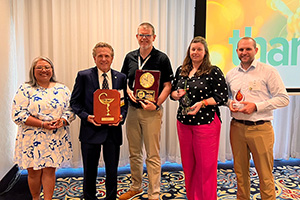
198,88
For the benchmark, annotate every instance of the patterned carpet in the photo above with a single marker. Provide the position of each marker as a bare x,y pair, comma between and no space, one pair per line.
287,179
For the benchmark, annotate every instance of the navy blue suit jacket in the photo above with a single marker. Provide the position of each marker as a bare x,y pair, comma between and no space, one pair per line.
86,83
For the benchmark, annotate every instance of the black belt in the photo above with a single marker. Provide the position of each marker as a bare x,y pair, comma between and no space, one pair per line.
251,123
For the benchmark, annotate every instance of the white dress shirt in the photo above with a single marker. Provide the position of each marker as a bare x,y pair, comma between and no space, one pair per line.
108,77
260,84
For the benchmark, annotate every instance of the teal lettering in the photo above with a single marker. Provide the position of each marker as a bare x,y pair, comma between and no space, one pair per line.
295,45
268,56
234,41
248,31
284,52
263,48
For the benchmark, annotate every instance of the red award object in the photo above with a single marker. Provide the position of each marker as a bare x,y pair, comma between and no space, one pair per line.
239,96
146,85
107,106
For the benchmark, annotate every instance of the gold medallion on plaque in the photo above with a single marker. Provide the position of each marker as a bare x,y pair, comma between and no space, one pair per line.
146,85
147,80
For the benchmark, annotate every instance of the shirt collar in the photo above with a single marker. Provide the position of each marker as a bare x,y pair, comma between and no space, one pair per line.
108,73
152,51
252,66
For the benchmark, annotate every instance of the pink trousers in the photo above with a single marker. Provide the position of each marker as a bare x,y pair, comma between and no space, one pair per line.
199,147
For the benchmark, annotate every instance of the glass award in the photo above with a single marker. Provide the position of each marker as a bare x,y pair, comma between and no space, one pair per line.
238,98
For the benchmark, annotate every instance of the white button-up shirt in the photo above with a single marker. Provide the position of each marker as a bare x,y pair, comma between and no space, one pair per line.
108,77
260,84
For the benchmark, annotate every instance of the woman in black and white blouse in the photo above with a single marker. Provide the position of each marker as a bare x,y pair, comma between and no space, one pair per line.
200,88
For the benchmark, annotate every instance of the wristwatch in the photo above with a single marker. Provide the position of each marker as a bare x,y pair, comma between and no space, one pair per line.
157,106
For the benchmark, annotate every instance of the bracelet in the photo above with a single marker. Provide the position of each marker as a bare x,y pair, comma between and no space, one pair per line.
202,104
205,102
42,125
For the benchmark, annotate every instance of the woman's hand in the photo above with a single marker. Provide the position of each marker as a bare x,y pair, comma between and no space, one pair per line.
55,124
195,108
177,94
60,123
49,125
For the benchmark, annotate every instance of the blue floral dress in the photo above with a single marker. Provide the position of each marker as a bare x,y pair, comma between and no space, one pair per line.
38,147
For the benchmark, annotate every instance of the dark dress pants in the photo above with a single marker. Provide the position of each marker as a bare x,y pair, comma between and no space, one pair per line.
90,156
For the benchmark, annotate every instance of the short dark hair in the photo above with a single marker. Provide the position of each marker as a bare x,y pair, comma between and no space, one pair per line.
247,38
147,24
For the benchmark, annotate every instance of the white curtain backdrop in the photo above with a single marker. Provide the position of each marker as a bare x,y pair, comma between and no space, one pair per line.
67,30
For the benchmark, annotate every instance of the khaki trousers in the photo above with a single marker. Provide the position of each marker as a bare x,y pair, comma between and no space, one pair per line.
259,141
144,127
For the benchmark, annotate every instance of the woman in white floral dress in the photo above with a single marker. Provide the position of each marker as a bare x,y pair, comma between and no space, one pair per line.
42,112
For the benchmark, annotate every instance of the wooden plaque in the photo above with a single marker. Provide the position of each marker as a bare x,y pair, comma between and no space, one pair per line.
107,106
146,85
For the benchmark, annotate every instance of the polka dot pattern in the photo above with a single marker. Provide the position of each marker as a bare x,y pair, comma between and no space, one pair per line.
201,87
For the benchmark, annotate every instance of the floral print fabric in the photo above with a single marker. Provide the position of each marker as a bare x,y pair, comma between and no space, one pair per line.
35,146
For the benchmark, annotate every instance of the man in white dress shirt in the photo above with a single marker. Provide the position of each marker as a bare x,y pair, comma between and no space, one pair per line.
255,90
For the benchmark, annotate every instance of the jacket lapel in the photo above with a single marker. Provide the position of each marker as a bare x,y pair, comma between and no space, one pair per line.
114,78
94,78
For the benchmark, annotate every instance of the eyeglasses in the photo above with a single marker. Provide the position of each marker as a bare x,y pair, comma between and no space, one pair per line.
146,36
41,67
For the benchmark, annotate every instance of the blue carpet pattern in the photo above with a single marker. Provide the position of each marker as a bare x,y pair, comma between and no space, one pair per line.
287,179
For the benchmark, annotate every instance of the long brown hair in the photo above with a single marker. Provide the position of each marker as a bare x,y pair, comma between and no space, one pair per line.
205,66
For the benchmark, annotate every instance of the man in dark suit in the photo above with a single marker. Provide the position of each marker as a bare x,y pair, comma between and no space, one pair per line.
93,136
